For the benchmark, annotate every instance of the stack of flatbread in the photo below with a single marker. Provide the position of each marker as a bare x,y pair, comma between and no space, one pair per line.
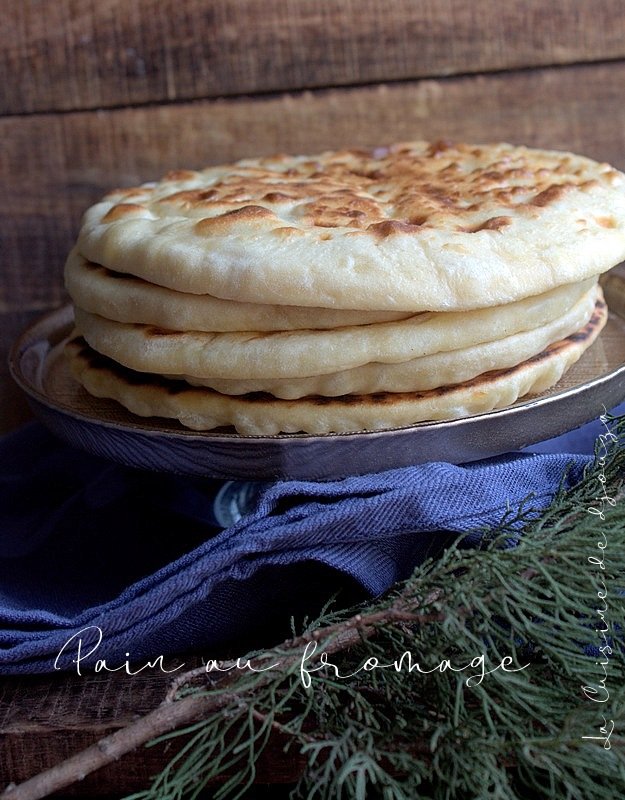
353,290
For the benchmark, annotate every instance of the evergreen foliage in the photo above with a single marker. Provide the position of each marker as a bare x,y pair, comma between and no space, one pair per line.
544,608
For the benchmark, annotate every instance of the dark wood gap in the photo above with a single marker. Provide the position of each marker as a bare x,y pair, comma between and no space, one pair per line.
272,94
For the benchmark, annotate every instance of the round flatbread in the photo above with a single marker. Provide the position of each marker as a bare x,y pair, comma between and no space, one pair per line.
419,374
124,298
298,354
260,414
414,227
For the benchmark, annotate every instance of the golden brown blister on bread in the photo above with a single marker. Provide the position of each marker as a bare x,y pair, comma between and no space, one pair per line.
403,184
413,227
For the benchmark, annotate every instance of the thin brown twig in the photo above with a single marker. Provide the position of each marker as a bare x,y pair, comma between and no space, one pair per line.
279,727
164,718
335,639
174,713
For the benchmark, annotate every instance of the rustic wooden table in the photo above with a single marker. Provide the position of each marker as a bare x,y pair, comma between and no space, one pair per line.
44,720
100,95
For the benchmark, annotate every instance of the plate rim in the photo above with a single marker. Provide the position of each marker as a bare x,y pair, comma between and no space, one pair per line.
59,319
23,342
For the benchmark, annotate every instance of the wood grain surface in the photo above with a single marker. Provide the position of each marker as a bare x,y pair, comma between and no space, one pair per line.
44,719
55,165
103,94
95,96
79,54
14,410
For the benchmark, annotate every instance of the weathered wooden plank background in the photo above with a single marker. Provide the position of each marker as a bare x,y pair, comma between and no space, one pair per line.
96,95
85,55
45,720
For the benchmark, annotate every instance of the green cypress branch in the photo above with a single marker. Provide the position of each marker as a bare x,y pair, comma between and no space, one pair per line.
517,733
528,600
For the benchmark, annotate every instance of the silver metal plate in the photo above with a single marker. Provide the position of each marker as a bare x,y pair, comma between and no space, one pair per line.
104,428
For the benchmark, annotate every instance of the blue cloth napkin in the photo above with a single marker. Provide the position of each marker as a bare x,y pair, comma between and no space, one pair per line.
101,561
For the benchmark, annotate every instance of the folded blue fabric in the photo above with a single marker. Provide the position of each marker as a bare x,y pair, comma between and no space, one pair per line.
131,565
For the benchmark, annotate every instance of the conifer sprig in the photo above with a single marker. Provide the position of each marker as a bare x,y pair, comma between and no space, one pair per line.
543,595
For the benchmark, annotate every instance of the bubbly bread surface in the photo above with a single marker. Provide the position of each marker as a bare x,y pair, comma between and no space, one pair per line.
413,227
350,290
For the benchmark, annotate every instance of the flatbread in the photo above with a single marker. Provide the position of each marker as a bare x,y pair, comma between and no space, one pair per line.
124,298
298,354
414,227
260,414
419,374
